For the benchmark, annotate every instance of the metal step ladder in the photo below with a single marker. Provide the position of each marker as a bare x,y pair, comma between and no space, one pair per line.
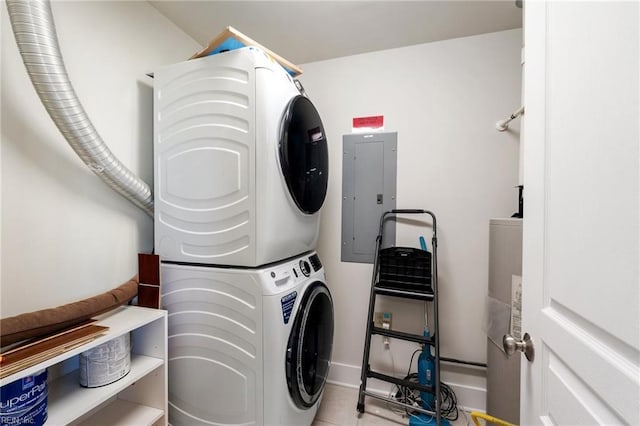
410,274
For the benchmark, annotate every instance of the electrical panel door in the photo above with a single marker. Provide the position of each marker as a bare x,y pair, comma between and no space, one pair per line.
368,190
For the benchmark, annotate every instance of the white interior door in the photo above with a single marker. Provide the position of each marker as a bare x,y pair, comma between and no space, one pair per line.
581,225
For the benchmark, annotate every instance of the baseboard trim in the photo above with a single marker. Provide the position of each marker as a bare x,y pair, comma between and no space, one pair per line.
470,398
344,375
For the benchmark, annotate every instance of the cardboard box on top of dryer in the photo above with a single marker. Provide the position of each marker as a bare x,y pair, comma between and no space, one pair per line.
231,39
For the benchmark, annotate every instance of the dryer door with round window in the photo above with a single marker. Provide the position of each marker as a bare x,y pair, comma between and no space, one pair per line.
303,154
309,347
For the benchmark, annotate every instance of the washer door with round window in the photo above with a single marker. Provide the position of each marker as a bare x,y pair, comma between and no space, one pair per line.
309,347
303,154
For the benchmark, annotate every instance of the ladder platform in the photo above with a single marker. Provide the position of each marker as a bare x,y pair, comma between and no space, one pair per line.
380,288
400,382
418,338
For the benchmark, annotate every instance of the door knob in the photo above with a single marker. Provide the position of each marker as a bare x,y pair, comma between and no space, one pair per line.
511,345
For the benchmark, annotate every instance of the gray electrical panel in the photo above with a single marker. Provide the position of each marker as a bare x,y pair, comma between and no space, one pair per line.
368,190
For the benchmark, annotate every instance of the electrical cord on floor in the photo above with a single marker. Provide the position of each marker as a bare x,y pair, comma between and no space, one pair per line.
388,348
448,399
402,393
392,389
448,404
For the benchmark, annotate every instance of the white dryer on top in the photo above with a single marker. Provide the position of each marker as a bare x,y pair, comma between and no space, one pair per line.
241,162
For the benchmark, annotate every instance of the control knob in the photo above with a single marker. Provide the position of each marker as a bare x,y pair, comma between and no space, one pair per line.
305,268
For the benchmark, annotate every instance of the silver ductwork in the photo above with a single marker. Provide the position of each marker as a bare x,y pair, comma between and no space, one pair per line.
34,29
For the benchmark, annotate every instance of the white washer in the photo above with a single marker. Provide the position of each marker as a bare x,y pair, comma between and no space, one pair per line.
247,346
240,159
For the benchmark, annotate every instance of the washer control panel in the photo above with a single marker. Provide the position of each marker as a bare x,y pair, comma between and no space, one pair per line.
305,267
285,281
294,271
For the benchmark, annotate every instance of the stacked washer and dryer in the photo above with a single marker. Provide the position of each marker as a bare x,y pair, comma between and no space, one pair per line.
241,169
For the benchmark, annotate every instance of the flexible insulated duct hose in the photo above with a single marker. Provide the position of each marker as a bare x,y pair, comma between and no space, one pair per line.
35,33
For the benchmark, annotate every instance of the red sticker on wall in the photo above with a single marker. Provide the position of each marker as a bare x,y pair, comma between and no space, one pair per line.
372,122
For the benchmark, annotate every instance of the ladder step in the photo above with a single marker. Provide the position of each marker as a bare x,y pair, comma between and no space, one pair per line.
402,336
407,294
400,382
396,402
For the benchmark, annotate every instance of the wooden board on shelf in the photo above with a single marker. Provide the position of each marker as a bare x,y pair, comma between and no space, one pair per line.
231,39
42,349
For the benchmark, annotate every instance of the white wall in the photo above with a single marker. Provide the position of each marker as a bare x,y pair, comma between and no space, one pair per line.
65,234
443,99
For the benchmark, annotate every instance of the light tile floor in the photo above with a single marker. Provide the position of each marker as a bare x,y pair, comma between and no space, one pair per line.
338,407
